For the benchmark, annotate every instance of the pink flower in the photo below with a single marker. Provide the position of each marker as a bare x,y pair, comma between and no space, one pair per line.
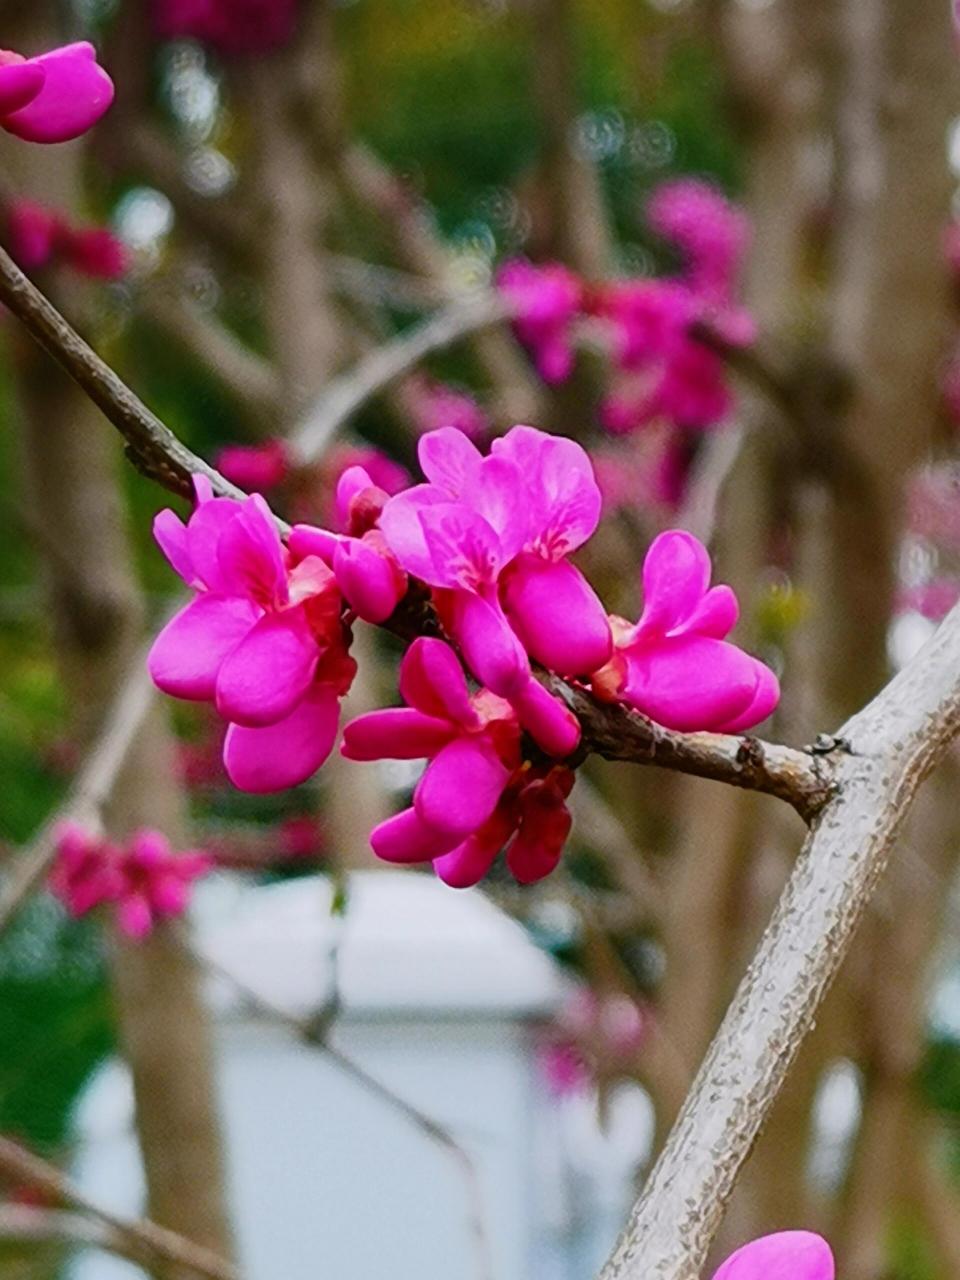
435,405
562,1066
367,572
521,509
476,795
39,237
55,96
788,1255
257,468
301,837
674,665
546,300
712,234
85,872
262,639
933,600
230,26
155,882
145,879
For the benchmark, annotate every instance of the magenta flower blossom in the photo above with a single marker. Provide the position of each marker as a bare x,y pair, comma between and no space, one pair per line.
788,1255
476,795
229,26
712,234
85,873
491,536
546,300
144,879
258,468
675,664
367,572
155,882
55,96
262,639
40,237
434,405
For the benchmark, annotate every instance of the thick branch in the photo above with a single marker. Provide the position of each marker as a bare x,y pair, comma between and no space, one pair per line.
894,743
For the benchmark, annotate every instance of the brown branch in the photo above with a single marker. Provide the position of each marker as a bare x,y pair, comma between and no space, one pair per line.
153,1245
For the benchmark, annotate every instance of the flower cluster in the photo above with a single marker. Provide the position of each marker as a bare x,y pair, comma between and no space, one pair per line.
266,640
144,879
55,96
40,237
434,404
258,468
787,1255
663,372
263,640
232,27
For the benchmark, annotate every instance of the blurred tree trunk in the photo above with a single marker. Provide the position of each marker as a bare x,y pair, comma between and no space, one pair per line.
73,464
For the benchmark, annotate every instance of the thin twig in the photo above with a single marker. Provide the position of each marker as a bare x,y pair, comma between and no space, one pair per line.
152,1244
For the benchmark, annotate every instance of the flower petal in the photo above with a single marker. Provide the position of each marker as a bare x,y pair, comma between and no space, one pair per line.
250,555
495,492
676,575
404,534
691,683
20,82
553,726
461,786
765,699
211,518
372,582
470,861
716,615
396,733
288,752
406,838
447,459
557,615
171,537
76,92
545,823
492,652
465,550
187,655
562,490
432,680
267,674
787,1255
308,540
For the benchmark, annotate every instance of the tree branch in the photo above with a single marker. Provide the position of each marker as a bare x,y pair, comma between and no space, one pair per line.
347,393
893,744
150,1243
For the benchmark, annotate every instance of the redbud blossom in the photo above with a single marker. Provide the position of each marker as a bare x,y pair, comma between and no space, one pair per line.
40,237
476,795
143,879
230,26
262,639
546,301
55,96
258,468
434,405
788,1255
710,232
675,665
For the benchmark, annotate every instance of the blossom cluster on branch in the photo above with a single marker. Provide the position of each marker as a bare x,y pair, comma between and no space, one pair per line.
266,641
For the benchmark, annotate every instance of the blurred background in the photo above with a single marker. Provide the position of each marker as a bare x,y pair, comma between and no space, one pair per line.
336,1067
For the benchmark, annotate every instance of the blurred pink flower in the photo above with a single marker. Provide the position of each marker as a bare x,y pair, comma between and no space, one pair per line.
54,96
788,1255
546,301
40,237
301,837
562,1066
144,879
434,405
712,234
933,600
257,468
230,26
